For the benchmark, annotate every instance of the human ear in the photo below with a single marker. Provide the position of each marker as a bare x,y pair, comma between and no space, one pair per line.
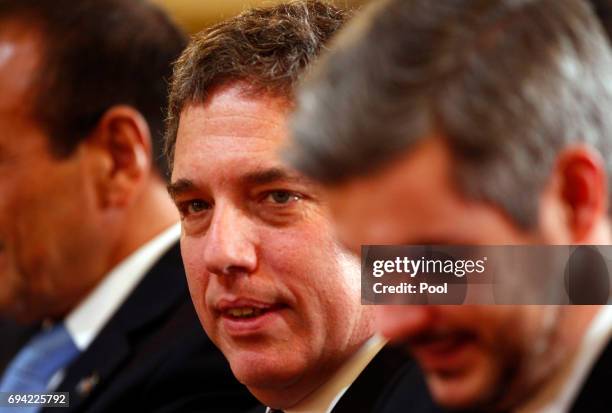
121,147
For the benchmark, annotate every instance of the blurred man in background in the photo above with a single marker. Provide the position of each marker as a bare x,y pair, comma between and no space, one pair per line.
271,285
474,122
88,235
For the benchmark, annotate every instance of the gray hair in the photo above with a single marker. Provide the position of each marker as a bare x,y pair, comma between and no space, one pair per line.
506,83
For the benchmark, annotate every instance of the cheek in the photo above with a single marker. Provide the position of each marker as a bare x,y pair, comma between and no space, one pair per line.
17,225
31,232
66,232
351,224
191,248
34,242
305,259
501,345
324,283
197,277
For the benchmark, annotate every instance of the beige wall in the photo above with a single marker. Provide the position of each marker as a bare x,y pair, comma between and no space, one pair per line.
196,14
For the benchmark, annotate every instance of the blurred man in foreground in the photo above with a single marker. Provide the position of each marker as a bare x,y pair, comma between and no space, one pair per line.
474,122
271,285
88,235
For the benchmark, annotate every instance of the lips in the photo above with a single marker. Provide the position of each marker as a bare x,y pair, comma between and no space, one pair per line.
443,350
246,316
243,307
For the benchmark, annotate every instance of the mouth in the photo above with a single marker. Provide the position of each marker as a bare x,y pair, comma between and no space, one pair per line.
243,316
244,312
443,350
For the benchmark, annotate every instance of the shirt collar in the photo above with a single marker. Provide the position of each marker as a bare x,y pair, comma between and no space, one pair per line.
325,397
86,320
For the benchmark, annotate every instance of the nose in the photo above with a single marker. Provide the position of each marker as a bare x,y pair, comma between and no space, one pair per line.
230,243
400,322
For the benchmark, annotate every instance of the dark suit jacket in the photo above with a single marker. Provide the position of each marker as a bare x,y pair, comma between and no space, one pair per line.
154,356
596,394
12,337
390,383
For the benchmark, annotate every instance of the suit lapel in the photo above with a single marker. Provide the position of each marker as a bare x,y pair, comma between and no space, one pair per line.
363,394
88,371
162,288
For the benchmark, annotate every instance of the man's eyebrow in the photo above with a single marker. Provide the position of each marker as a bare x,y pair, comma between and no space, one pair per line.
266,176
179,187
258,177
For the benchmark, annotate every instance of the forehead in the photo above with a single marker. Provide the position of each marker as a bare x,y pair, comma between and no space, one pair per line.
392,202
229,132
415,200
19,59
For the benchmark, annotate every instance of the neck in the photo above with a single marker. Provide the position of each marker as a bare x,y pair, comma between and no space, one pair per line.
151,213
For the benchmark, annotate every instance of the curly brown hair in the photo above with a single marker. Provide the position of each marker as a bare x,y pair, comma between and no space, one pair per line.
269,48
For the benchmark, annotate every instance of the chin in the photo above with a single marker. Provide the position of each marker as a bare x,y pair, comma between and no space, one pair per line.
260,370
471,389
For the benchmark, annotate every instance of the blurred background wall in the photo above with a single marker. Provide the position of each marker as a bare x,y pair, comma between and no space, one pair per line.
194,15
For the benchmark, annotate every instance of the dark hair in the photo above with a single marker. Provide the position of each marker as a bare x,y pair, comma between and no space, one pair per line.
506,83
269,48
97,54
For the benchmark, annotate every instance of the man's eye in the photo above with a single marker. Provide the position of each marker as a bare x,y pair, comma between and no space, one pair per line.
194,206
283,197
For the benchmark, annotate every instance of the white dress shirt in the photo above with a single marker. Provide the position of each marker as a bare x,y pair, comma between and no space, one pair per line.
327,396
559,394
86,320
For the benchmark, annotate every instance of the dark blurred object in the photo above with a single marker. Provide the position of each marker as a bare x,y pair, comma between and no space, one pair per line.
603,9
13,336
586,277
